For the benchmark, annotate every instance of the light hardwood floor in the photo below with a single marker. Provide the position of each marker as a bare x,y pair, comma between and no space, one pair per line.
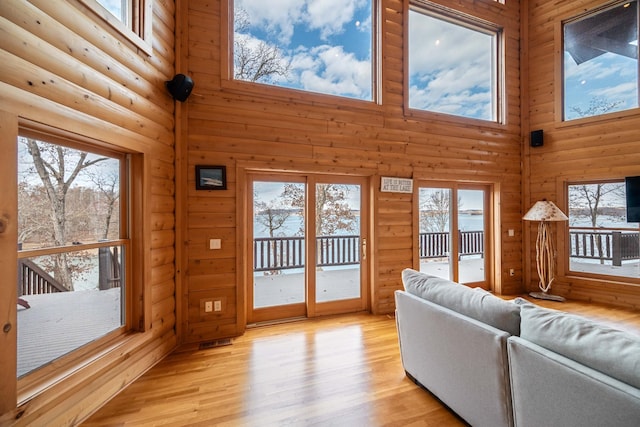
336,371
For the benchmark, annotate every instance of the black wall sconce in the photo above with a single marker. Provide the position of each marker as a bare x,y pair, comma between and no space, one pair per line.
180,87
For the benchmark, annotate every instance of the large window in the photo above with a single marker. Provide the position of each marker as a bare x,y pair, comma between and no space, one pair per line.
601,61
72,247
601,241
317,46
453,64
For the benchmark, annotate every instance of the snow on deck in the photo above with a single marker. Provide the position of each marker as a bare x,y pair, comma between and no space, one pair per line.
61,322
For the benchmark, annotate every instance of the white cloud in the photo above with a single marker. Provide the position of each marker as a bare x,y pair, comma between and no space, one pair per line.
329,69
279,17
620,91
330,16
462,103
590,70
436,45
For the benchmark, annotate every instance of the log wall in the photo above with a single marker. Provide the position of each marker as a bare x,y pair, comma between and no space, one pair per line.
247,127
595,148
60,68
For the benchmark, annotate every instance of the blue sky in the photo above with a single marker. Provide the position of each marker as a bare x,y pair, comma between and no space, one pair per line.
609,77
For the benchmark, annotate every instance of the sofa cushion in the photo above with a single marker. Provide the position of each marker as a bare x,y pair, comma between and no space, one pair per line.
610,351
477,304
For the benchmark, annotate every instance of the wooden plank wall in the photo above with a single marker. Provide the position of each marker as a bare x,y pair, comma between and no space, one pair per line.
61,69
245,127
595,148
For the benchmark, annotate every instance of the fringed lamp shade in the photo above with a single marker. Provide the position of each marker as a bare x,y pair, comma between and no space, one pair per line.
545,211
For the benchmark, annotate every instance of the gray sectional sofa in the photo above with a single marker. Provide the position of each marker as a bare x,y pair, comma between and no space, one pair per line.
512,363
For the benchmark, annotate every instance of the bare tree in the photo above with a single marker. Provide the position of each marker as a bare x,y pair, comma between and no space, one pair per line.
255,61
33,219
585,201
107,185
597,106
271,217
58,167
332,210
435,211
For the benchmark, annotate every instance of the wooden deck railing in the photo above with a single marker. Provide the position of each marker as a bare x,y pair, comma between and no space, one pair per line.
437,245
603,244
33,280
282,253
109,268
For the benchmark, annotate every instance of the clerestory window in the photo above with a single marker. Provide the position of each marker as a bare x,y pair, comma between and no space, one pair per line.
454,63
600,61
324,47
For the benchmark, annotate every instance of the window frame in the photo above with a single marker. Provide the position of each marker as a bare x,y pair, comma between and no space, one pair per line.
575,16
137,31
136,316
229,83
471,22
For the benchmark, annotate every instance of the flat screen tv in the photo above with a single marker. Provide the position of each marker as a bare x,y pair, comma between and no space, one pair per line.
632,186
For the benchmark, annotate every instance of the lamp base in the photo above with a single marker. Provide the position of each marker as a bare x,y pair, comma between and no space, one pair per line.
544,295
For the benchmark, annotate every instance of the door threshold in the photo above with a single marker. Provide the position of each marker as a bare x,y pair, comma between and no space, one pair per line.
276,322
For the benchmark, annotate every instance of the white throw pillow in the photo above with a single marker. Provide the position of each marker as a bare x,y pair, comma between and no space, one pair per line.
610,351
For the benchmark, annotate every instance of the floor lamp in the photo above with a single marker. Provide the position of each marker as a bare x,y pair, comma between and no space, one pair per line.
545,211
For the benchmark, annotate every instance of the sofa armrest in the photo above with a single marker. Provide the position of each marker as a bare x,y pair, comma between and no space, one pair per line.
460,360
549,389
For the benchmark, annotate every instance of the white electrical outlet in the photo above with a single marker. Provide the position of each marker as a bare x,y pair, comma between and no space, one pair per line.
208,306
217,305
512,272
215,244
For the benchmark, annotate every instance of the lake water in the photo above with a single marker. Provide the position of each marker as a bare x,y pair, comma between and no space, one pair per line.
293,224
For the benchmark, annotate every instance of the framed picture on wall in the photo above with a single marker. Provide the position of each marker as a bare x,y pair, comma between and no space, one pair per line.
211,178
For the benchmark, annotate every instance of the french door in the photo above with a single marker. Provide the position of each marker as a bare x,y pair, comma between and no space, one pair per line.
453,228
308,246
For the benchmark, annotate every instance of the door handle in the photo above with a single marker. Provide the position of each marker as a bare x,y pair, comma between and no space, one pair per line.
364,249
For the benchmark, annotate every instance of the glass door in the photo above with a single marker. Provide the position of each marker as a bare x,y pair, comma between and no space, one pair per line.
340,246
453,224
279,244
435,231
472,232
306,243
